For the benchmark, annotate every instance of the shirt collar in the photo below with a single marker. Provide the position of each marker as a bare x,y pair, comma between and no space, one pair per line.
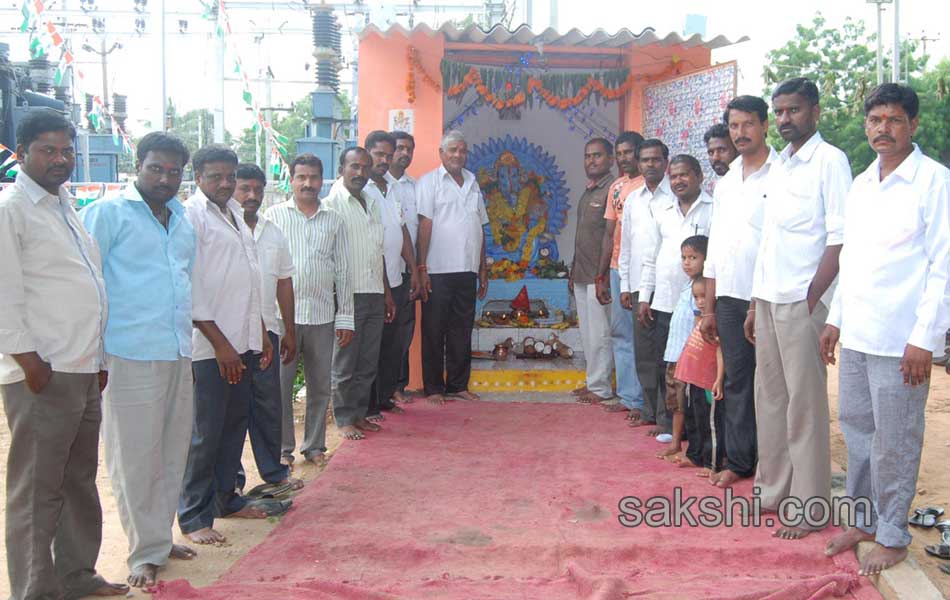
406,178
807,150
340,190
35,192
132,194
907,170
703,197
735,167
467,176
291,204
604,180
661,190
209,205
258,230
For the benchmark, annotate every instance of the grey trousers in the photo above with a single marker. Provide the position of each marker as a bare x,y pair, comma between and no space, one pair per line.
651,377
791,404
53,516
354,367
147,416
315,345
882,419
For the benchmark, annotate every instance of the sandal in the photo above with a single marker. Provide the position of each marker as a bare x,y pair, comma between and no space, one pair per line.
938,550
925,517
272,508
945,569
269,491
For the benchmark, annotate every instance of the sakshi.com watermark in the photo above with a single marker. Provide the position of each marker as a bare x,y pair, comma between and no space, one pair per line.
730,510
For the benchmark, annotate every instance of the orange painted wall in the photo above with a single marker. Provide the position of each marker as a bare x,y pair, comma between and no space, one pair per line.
383,67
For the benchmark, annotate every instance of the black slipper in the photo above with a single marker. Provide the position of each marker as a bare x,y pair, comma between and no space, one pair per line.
925,517
272,508
270,491
945,569
938,550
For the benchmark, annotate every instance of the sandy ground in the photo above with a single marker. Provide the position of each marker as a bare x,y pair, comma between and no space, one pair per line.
933,489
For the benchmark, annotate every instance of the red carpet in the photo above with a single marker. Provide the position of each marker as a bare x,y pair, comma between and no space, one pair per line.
478,500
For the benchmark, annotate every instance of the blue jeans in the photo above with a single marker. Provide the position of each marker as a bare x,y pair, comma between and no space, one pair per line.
625,357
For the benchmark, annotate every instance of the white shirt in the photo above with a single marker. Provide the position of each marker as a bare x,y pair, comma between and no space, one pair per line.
736,229
635,224
663,274
226,279
392,231
895,260
273,254
803,213
365,228
52,294
458,216
404,193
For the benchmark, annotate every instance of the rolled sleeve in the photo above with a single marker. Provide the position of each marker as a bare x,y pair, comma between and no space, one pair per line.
482,211
425,197
836,180
286,267
15,337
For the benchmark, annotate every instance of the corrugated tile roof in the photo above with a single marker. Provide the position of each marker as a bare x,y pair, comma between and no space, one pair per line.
599,38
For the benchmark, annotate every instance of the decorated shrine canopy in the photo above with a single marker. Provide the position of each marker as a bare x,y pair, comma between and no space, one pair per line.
527,103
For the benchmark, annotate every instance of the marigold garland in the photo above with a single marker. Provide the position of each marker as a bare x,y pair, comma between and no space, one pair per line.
415,64
473,78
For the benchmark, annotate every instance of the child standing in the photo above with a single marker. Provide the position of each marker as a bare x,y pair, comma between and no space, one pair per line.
693,255
707,439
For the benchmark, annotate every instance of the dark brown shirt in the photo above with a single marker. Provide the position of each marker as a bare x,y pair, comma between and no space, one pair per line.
589,238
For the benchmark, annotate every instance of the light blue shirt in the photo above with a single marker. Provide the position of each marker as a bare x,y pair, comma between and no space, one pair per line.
681,324
147,271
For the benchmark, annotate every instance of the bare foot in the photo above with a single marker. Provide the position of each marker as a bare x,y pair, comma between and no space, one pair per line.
727,478
318,459
590,398
641,423
634,417
704,473
206,535
396,409
880,558
350,432
686,463
182,552
401,398
112,589
654,431
287,461
367,425
435,399
790,533
375,418
714,477
615,408
467,395
846,540
581,391
670,450
143,576
294,483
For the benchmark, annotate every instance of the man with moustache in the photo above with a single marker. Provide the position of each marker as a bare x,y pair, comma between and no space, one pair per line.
662,277
277,293
719,147
355,365
52,318
399,256
887,313
795,267
147,247
733,245
451,259
592,317
229,338
404,193
638,221
322,319
608,292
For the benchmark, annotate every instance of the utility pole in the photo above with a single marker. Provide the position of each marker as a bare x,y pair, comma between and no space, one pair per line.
897,42
553,6
219,109
880,38
103,54
162,58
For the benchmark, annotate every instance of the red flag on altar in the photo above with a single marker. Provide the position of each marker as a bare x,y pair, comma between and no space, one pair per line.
697,363
521,300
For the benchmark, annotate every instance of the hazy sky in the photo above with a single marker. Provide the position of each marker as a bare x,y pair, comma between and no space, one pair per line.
286,44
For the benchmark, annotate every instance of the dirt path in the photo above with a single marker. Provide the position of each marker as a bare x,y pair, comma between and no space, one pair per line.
933,488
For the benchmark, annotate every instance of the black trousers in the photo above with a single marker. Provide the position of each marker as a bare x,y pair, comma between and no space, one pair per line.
447,320
390,357
738,403
661,332
699,430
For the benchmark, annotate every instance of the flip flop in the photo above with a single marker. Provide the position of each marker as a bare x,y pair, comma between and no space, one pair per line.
945,569
925,517
269,491
938,550
943,526
272,508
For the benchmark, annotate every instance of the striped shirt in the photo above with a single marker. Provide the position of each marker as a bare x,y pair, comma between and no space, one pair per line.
318,245
365,258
